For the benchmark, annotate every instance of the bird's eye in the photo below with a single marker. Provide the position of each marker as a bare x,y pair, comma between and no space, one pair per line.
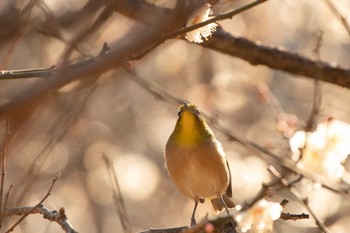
179,111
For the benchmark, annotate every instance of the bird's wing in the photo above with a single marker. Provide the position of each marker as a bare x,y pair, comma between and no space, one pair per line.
229,187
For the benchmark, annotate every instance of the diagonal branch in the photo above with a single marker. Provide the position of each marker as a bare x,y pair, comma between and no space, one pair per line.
340,17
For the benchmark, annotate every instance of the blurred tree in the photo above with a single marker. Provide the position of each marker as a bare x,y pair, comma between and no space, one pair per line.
85,78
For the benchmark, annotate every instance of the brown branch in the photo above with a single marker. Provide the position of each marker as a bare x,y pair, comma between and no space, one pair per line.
166,230
3,171
27,73
59,217
25,14
218,224
89,69
33,208
252,52
289,216
276,58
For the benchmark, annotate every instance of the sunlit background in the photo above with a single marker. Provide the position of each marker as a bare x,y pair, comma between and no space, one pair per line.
70,131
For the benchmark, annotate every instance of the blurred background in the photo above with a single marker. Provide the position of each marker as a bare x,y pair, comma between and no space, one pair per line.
71,130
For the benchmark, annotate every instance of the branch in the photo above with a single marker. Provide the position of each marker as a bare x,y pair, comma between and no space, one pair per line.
276,58
33,208
3,172
59,217
117,195
221,41
217,225
27,73
300,199
253,52
340,17
289,216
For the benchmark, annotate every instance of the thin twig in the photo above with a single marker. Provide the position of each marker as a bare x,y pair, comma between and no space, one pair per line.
3,170
33,209
117,195
27,73
5,203
341,18
59,129
100,20
266,190
315,110
26,12
300,199
304,202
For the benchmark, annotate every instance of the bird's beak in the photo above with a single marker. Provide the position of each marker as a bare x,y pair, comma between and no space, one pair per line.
186,105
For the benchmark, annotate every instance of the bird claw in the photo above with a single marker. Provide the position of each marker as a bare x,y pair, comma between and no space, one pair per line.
193,222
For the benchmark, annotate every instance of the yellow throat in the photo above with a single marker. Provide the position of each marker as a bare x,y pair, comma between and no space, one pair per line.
191,129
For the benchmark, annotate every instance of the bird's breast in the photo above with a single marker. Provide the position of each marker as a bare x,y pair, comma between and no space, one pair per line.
199,171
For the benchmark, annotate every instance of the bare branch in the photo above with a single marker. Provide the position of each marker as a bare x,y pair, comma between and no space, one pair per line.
301,200
252,52
219,224
3,171
304,201
167,230
5,204
34,208
27,73
277,58
289,216
52,215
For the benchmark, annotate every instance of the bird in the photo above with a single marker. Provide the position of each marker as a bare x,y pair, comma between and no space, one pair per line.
196,161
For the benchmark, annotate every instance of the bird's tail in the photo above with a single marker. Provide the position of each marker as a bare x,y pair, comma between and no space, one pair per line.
218,206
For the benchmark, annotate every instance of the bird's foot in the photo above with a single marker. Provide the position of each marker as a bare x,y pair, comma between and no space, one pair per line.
193,222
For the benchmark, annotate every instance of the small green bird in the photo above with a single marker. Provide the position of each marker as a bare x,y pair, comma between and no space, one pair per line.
196,161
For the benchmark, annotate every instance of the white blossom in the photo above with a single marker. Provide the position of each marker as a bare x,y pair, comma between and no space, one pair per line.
260,217
323,150
199,16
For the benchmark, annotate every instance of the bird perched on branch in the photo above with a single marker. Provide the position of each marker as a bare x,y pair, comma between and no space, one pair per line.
196,161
